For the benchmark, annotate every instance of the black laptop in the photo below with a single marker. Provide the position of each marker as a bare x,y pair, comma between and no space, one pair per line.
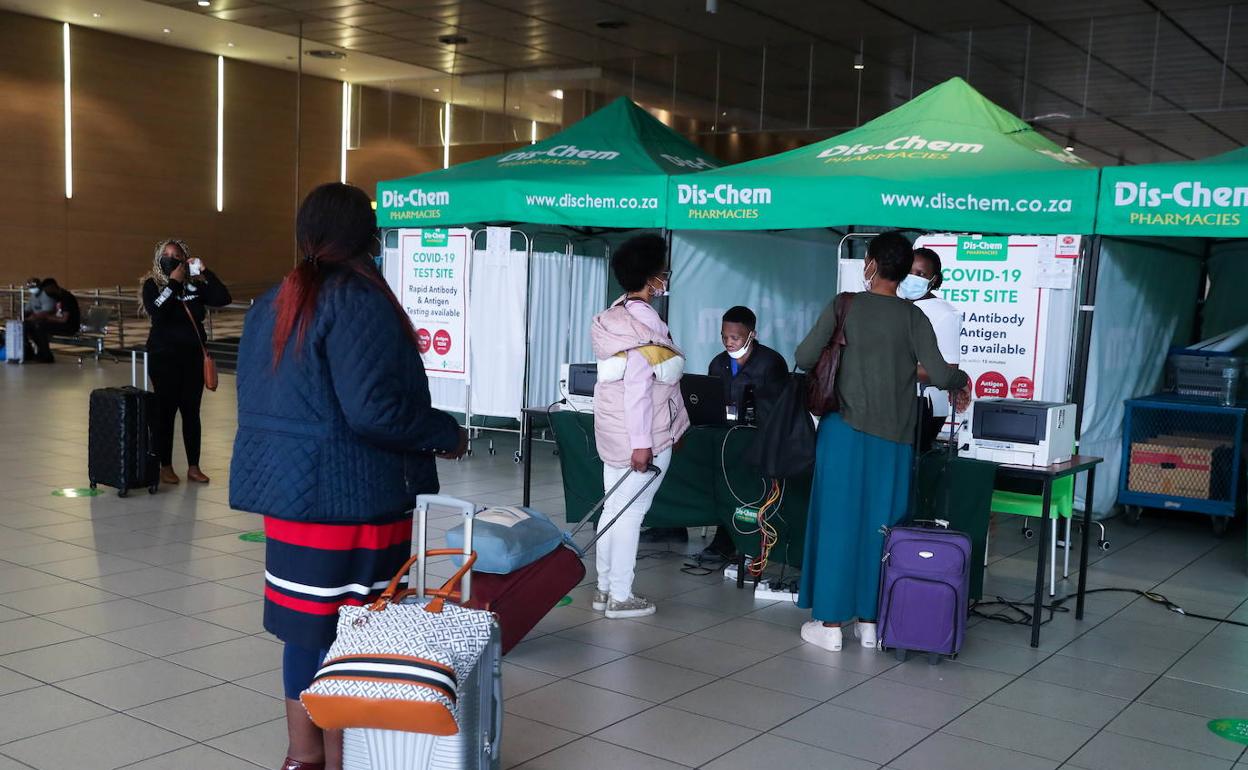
704,399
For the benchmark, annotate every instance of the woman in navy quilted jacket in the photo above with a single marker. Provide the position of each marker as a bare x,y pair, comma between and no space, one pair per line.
336,438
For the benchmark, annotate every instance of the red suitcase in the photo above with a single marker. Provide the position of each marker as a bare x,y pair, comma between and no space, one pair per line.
522,598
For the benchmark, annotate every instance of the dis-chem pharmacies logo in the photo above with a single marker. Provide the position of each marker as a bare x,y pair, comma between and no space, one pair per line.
433,238
560,154
417,199
911,146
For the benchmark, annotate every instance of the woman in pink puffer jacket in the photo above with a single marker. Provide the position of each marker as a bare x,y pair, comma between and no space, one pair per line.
638,414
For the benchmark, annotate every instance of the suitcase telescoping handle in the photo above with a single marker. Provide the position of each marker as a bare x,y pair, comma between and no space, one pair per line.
134,369
468,511
652,471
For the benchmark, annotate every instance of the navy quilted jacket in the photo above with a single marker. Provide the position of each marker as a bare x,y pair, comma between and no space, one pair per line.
343,430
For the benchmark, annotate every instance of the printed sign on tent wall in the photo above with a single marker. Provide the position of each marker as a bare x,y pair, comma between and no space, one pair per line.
434,292
994,282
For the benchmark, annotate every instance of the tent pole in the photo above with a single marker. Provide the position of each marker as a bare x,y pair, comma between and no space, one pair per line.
1198,324
528,324
1087,306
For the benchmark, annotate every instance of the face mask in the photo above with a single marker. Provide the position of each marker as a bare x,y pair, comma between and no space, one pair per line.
867,279
34,291
168,264
913,287
661,291
737,355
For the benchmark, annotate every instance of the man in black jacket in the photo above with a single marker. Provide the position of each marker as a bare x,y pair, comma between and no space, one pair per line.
64,318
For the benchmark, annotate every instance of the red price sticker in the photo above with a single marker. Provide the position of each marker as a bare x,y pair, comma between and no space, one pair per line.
991,385
423,340
442,342
1022,387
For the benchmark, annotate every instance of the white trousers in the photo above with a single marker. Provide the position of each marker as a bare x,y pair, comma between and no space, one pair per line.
616,551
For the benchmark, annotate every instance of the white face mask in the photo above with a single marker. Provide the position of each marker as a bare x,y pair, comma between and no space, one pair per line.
737,355
661,291
913,287
867,279
34,291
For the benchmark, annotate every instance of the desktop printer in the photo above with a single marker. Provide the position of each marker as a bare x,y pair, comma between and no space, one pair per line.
1020,432
576,385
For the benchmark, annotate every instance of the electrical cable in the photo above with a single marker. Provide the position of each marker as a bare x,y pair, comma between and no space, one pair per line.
1025,616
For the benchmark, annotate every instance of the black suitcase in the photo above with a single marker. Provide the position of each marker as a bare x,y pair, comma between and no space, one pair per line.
120,452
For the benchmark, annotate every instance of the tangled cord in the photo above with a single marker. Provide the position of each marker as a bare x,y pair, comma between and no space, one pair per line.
1025,617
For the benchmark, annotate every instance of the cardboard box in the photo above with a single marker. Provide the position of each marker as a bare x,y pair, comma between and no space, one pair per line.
1179,467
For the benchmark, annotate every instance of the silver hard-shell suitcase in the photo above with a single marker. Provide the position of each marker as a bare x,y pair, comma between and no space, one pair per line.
478,743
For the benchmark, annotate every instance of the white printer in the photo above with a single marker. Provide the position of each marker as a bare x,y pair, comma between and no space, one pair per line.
576,384
1020,432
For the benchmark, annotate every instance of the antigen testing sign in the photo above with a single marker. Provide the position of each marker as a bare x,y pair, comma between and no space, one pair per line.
434,292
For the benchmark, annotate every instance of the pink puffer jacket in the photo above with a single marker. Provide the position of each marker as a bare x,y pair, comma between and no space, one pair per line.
621,340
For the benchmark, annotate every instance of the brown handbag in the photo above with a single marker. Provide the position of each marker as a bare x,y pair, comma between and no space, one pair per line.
210,366
821,395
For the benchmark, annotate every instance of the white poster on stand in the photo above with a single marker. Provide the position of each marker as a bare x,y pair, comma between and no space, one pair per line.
433,283
993,281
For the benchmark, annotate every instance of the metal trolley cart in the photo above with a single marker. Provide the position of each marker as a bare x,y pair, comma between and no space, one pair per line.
1181,453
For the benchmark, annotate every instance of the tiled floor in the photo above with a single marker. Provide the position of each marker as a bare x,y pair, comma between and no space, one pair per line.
130,637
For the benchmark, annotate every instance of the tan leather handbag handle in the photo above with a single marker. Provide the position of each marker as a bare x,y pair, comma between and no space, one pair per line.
392,594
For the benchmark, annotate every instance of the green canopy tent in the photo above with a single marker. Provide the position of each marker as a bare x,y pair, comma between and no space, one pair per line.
948,159
1206,198
608,170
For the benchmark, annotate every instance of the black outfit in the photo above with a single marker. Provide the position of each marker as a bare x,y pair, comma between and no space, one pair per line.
38,331
765,371
175,358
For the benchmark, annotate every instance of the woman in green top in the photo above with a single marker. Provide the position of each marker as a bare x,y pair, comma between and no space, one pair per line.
864,452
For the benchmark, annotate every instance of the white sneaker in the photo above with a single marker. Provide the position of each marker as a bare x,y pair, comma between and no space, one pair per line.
632,607
866,634
816,633
599,602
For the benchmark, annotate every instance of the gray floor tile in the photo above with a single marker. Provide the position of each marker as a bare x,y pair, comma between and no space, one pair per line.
599,755
743,704
644,678
245,618
42,709
754,634
62,596
796,677
11,681
1137,656
67,660
950,752
774,751
29,633
1173,728
93,566
852,732
620,635
110,742
951,677
560,657
35,555
1092,676
211,713
705,655
142,581
685,618
853,657
16,578
678,736
138,684
172,636
1110,751
264,744
1128,632
1017,730
564,618
195,757
573,706
270,683
904,703
116,615
235,659
518,680
1066,703
1193,698
524,739
1215,672
198,598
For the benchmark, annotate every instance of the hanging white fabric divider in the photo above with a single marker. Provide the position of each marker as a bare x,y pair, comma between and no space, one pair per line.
499,282
567,291
1145,302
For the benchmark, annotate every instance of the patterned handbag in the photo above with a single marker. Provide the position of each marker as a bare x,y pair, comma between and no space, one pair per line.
399,666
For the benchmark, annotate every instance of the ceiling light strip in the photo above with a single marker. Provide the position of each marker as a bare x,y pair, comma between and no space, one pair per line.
69,129
446,136
346,128
220,133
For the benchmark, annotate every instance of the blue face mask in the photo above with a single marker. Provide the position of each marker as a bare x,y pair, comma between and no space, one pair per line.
913,287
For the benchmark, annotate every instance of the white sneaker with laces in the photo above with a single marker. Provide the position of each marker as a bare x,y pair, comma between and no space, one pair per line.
632,607
599,602
816,633
866,634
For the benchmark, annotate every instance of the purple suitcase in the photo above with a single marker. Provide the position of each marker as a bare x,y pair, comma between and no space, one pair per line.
924,591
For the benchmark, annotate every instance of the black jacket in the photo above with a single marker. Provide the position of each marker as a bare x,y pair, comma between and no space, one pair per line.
765,369
172,331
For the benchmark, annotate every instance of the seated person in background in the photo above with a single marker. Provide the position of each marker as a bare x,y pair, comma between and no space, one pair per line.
36,300
64,318
919,287
745,365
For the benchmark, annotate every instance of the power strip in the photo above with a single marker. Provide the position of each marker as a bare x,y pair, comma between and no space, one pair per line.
765,593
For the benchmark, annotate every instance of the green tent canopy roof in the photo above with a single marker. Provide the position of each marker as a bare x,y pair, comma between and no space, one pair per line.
949,159
1207,198
608,170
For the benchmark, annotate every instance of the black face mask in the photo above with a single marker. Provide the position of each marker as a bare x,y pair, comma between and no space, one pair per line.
168,264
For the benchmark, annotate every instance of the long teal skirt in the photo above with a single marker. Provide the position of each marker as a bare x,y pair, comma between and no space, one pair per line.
862,483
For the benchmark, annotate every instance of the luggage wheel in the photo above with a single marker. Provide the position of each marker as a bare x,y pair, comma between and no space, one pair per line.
152,489
1133,514
901,655
1220,525
934,658
93,485
518,457
123,492
1028,532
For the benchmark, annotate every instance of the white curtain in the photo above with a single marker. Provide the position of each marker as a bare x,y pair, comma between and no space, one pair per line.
566,292
786,278
1145,302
